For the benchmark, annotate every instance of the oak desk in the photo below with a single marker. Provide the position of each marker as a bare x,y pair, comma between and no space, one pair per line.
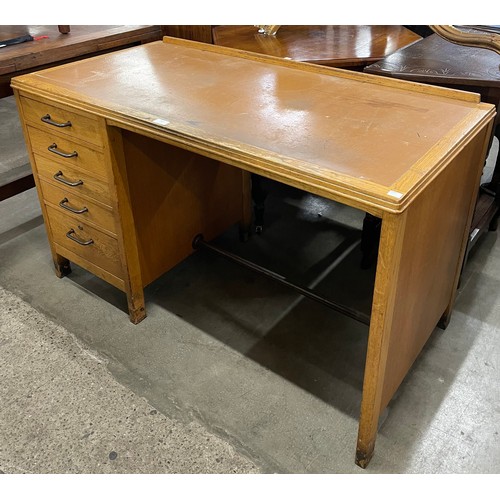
134,155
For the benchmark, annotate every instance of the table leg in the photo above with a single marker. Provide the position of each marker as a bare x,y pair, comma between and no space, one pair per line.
127,235
136,305
62,265
388,265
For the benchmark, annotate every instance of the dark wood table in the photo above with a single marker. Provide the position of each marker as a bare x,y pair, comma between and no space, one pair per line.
436,61
349,46
80,42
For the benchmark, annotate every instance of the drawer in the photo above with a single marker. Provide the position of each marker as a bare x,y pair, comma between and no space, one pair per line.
70,203
67,152
73,180
54,119
85,241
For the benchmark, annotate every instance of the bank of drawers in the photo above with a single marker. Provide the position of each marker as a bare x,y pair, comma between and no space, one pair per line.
74,182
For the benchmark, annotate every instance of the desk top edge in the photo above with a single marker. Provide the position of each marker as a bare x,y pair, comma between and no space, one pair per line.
375,195
304,66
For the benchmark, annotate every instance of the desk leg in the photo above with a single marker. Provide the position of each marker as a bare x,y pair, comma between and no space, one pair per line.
391,242
127,237
136,307
62,265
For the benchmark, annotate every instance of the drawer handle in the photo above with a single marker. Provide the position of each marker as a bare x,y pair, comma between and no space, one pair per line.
63,202
53,149
47,119
59,176
70,234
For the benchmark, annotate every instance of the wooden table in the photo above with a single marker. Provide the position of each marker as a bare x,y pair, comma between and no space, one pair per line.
437,61
82,41
348,46
137,152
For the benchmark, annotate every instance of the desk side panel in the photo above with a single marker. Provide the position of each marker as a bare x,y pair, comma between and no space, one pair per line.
432,252
175,195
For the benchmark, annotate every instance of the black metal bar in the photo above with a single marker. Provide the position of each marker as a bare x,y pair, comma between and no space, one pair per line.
47,119
59,176
17,186
199,242
53,149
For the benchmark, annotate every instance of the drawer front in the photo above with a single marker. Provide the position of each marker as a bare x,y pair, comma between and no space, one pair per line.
85,241
70,203
54,119
73,180
67,152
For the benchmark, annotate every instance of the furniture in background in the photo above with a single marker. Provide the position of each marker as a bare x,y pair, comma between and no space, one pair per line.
64,44
485,36
132,167
197,32
349,46
437,61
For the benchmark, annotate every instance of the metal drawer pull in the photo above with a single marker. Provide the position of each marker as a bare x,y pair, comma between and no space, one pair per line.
70,234
59,177
46,119
63,202
53,149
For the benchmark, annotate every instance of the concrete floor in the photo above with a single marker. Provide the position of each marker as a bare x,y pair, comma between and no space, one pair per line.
276,376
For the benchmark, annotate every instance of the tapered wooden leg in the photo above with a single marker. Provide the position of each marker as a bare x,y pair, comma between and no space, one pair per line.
391,239
127,235
61,265
136,306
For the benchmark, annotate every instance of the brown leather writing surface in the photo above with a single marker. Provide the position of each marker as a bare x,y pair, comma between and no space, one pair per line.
332,123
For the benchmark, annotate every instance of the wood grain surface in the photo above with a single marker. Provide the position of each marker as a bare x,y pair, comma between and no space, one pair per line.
174,116
318,125
337,45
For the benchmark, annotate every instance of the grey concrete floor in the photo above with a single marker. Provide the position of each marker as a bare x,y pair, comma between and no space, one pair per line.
276,376
63,412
